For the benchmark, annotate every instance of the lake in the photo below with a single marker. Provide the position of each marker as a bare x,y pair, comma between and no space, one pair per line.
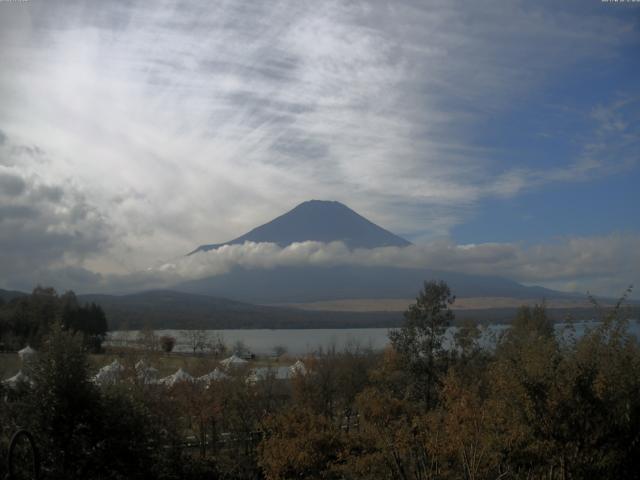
303,341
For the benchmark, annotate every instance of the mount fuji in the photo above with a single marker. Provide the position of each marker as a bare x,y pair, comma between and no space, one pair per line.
328,221
320,221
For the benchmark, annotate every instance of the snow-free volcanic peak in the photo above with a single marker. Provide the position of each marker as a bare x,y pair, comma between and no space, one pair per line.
321,221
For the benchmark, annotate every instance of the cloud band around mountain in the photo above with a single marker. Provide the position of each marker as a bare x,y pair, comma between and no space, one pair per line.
604,265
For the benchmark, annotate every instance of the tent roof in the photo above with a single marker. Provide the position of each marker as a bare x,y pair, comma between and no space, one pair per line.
142,364
233,360
114,366
18,378
298,368
181,375
216,374
279,373
109,374
143,368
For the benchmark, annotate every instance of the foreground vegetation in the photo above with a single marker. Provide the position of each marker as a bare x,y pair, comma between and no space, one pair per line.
537,406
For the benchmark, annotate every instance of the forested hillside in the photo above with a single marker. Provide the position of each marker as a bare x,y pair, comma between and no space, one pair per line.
27,319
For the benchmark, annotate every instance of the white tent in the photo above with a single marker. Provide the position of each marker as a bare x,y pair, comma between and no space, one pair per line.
216,374
116,365
142,364
282,373
27,353
180,376
263,373
233,361
109,374
298,368
18,379
146,373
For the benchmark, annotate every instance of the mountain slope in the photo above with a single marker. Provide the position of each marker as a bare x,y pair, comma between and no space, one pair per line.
321,221
327,221
309,284
8,295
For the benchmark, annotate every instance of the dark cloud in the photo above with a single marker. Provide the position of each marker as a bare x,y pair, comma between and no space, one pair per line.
47,227
49,193
20,212
74,278
11,185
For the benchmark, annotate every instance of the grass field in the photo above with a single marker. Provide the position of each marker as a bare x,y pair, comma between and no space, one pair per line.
9,365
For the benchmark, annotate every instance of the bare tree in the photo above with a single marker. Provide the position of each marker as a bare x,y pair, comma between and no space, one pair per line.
279,350
148,339
197,340
216,345
240,348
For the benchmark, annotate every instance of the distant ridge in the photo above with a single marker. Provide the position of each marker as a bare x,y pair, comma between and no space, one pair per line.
321,221
8,295
162,309
171,309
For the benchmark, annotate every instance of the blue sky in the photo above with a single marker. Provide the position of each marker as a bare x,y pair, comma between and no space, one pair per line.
549,129
500,136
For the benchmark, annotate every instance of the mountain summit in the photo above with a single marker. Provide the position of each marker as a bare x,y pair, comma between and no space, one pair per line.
321,221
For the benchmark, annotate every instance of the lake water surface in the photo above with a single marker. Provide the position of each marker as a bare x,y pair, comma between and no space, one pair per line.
304,341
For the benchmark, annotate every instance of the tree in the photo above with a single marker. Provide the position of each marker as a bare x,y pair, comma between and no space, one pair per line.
65,404
390,442
216,345
567,409
148,338
466,338
28,319
533,322
240,348
279,350
299,444
167,343
419,341
197,340
89,319
465,445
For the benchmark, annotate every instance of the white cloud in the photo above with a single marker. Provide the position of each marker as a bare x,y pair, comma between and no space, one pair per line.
602,265
614,258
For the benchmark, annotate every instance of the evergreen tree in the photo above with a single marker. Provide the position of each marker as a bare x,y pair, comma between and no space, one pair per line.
419,341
